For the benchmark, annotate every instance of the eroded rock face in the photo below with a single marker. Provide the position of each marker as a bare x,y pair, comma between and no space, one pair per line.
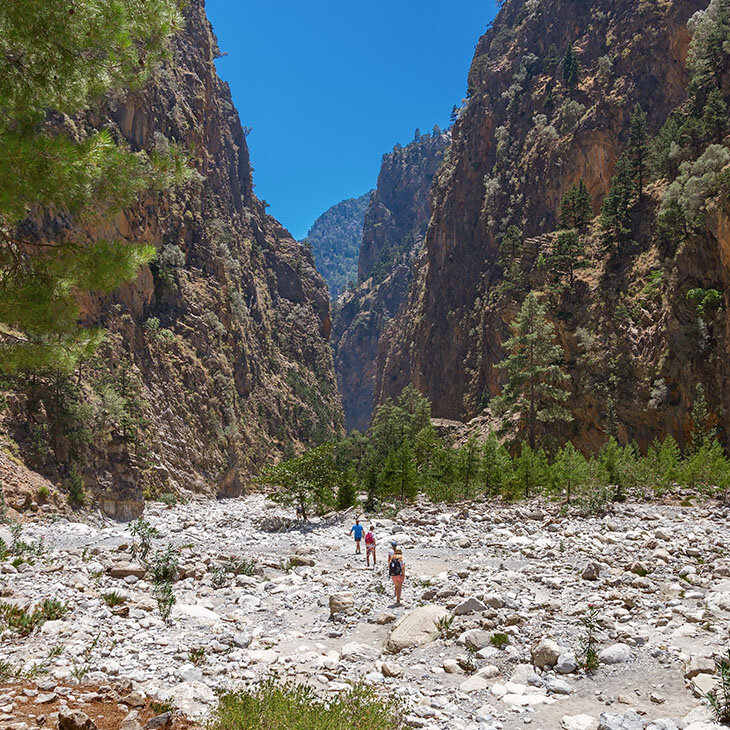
393,233
222,343
519,143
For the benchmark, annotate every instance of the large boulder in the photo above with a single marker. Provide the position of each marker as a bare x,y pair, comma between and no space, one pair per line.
74,720
612,721
341,603
470,605
615,654
545,653
415,628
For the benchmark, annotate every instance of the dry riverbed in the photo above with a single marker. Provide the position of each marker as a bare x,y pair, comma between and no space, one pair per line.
657,577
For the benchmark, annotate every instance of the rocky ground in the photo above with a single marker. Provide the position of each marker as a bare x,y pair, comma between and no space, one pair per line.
658,578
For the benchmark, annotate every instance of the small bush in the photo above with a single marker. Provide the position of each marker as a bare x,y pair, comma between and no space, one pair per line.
167,498
719,697
113,599
165,565
589,642
286,706
160,708
499,640
144,533
165,598
197,655
25,621
219,577
444,624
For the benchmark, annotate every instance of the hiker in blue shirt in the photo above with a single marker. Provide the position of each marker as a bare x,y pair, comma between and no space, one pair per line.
357,530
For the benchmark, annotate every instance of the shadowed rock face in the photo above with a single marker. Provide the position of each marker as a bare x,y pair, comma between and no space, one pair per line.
395,224
243,365
520,142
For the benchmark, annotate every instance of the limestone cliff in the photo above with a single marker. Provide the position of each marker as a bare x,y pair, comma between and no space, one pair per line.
523,137
217,356
395,223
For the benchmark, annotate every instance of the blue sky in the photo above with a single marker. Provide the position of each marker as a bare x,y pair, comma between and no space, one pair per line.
329,86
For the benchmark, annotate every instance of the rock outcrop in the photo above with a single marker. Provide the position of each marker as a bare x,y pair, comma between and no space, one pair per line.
217,356
524,136
395,223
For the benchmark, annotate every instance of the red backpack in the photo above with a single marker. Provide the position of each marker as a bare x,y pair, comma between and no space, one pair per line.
369,538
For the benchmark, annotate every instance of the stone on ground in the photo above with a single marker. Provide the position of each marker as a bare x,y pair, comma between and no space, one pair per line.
416,628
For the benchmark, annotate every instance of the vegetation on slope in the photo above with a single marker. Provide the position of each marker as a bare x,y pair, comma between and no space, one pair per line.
335,242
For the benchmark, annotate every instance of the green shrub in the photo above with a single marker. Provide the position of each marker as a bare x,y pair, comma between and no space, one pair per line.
144,533
719,697
77,496
165,565
499,640
165,598
286,706
24,621
113,599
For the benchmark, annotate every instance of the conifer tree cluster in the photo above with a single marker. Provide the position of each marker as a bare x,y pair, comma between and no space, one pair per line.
60,59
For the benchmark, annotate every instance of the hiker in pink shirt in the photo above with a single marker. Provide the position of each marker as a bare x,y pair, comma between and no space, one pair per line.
370,546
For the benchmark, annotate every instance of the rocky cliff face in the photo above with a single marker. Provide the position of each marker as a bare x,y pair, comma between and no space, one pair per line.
217,356
522,139
395,223
335,240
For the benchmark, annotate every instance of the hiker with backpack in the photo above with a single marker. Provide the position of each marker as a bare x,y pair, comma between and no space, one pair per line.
397,571
370,545
357,530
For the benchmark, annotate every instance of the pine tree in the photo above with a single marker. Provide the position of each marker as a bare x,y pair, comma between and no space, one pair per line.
571,69
531,469
616,209
535,391
638,148
567,256
611,418
702,432
495,464
664,156
708,59
467,466
714,115
60,58
576,207
570,471
510,255
399,477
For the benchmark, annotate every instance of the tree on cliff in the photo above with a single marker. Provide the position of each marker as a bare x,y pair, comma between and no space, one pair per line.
510,256
536,388
567,256
638,147
571,68
576,206
708,59
616,209
57,59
